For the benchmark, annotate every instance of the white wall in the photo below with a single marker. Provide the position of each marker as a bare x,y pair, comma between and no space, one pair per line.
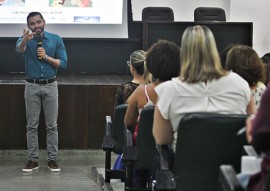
257,12
183,9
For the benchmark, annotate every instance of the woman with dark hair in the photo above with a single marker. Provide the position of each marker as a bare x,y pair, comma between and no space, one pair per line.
163,62
266,65
244,61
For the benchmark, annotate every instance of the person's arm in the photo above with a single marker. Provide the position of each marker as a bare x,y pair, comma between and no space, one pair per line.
132,112
251,108
53,61
162,129
261,124
25,38
60,60
249,122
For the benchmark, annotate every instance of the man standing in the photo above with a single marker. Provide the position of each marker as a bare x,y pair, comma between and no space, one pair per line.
43,54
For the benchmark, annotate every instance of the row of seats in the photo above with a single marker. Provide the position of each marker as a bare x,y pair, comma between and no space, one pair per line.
200,14
206,141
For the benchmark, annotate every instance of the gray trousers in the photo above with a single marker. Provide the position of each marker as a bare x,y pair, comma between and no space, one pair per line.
39,96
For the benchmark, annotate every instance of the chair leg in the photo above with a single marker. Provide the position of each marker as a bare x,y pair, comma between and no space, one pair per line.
107,166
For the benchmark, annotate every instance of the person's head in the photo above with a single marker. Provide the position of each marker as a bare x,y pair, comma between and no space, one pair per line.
200,61
244,61
163,60
136,61
265,59
223,54
36,23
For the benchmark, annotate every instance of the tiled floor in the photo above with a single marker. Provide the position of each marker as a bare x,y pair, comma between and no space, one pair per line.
75,172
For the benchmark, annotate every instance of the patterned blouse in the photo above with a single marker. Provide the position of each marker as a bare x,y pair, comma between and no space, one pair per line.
124,91
257,93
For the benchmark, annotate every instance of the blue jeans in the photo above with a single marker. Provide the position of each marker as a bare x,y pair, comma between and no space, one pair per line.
39,96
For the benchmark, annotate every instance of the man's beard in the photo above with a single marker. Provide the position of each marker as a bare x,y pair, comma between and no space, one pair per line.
38,32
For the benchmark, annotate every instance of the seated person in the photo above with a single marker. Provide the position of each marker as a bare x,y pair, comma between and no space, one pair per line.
258,134
163,62
136,68
265,59
223,54
203,86
244,61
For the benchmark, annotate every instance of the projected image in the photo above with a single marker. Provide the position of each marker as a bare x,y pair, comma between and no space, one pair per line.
70,3
84,19
63,11
12,3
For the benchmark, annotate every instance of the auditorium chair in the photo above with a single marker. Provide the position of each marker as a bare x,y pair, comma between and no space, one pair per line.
205,141
141,154
227,179
209,14
229,182
157,14
113,141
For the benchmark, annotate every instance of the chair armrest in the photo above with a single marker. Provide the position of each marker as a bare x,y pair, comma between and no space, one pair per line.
163,152
130,152
164,181
108,126
108,140
129,138
164,178
250,151
227,179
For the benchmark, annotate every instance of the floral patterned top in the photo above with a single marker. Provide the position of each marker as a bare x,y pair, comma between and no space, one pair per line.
257,93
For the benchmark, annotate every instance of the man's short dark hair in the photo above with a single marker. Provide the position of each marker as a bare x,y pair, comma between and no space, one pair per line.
34,14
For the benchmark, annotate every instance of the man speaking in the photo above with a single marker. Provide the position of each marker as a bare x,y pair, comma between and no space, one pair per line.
43,54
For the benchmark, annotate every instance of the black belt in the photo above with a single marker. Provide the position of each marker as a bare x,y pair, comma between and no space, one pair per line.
40,81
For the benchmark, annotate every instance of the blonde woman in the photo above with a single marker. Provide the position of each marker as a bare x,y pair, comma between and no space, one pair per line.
137,70
203,86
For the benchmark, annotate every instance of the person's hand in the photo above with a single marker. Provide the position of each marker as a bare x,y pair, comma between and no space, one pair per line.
27,35
249,127
41,53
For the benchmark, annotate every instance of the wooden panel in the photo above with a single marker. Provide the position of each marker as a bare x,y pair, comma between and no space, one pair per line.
82,111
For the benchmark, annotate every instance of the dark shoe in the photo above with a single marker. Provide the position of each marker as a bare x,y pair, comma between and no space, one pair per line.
30,166
53,166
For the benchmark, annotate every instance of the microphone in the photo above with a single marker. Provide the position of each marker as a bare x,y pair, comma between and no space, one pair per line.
39,43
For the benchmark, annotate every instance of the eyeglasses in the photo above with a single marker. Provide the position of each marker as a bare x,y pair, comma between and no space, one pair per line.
128,63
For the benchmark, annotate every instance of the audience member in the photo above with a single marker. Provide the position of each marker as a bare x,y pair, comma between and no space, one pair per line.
223,54
136,67
163,62
203,86
258,134
266,65
244,61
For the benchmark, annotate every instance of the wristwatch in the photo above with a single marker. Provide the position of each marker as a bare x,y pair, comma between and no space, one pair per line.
46,57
